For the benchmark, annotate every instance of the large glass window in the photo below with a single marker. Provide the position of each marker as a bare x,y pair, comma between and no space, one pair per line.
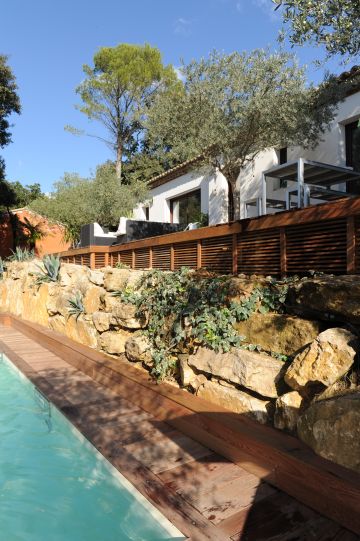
186,208
352,144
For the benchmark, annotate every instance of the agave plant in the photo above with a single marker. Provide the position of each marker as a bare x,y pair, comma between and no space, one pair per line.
51,270
76,305
22,254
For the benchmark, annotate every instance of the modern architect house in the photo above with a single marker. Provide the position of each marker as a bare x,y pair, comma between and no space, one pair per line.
278,179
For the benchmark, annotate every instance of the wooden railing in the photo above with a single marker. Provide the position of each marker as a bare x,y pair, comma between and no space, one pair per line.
325,238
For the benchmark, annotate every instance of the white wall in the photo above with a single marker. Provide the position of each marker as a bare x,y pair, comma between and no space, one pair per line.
213,185
214,196
331,150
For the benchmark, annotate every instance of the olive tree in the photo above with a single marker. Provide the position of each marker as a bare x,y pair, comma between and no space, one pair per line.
118,90
335,24
234,106
76,201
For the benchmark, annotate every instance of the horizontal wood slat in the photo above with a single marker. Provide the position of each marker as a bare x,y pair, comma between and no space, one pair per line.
185,255
323,238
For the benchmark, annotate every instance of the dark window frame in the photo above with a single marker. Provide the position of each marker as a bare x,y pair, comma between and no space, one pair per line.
181,198
353,186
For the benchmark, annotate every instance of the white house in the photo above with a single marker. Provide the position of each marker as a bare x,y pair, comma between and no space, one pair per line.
182,193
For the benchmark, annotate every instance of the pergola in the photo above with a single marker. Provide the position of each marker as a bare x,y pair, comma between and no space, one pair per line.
314,180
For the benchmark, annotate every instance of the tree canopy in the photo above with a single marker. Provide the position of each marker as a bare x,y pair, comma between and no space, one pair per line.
9,103
234,106
335,24
76,201
118,91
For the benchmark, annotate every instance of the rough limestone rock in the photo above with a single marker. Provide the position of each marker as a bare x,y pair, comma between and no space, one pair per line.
34,304
278,332
74,275
188,377
287,411
101,321
336,296
242,287
51,301
124,314
332,429
137,348
16,270
15,297
257,372
57,323
113,342
118,279
96,277
62,305
81,330
92,299
324,361
234,400
4,295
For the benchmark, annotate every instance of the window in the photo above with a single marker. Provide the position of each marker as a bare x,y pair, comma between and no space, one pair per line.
282,158
283,155
352,146
147,213
186,208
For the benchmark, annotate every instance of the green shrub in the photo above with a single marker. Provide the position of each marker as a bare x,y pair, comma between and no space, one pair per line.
22,254
51,270
76,306
186,310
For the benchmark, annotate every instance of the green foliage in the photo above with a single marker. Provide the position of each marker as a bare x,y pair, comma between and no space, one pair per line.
51,270
118,90
24,195
234,106
9,103
186,311
7,195
2,268
76,201
333,24
22,254
121,265
76,306
31,232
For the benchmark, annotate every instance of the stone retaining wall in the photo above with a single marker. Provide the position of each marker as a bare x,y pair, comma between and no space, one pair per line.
316,395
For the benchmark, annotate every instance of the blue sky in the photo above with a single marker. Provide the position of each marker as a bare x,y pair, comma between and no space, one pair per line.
48,41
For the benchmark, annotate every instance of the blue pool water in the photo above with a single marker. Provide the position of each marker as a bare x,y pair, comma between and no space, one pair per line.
54,485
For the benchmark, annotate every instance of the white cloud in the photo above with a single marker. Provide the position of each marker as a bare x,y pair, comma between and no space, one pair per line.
266,6
182,26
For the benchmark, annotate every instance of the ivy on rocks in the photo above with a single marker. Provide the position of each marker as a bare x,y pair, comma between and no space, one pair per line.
186,309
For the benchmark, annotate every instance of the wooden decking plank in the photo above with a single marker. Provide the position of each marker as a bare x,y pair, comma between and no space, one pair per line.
167,452
229,501
278,518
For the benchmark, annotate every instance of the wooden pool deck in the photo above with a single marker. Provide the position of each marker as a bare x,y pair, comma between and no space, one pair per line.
203,494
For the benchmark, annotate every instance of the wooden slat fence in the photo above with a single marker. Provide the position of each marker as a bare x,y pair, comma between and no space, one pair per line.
325,238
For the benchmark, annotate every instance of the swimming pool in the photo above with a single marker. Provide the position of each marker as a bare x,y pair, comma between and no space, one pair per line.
54,485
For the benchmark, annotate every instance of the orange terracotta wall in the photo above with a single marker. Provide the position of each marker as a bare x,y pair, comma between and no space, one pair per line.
51,243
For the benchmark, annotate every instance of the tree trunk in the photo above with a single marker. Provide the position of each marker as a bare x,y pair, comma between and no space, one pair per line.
14,225
233,199
118,166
